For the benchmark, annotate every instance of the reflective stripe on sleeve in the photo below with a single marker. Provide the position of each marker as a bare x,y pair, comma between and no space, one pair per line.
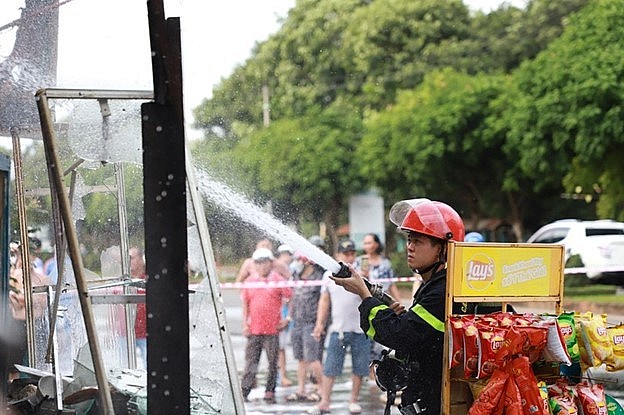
371,316
422,312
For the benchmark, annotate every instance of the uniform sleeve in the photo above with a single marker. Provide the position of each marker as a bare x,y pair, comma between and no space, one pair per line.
409,332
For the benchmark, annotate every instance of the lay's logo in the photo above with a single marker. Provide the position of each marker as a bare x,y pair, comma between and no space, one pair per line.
618,339
480,271
566,330
601,331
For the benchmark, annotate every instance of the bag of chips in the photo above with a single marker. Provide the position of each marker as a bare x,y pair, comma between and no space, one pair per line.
595,339
520,372
568,331
491,339
592,398
563,405
616,336
556,349
471,349
487,403
456,341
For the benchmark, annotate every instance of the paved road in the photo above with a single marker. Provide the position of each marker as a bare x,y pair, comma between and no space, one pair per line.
370,394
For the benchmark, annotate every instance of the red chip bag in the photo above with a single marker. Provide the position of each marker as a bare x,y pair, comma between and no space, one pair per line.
561,398
456,341
487,403
512,402
471,349
491,339
521,373
504,319
535,339
523,320
592,398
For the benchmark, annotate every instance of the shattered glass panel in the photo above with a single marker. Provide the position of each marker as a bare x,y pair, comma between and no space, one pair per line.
114,136
89,143
210,381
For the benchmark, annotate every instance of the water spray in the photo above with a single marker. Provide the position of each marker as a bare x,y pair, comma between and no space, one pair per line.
376,289
247,211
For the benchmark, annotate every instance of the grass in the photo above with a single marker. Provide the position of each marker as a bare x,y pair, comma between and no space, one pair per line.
604,294
578,288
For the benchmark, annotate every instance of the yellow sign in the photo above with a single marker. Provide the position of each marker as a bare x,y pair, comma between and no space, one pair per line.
505,270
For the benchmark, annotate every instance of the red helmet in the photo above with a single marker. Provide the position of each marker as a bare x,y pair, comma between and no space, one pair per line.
428,217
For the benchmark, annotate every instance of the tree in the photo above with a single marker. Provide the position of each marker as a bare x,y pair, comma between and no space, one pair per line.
568,121
305,165
391,44
435,142
383,60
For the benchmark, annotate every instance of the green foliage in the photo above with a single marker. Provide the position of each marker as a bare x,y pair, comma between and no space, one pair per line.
424,99
574,261
304,164
580,289
568,118
392,44
437,143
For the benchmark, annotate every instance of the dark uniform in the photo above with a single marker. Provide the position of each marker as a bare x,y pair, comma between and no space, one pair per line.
417,335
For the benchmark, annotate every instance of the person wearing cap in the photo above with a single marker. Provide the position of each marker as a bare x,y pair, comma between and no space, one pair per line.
344,335
417,333
248,266
262,321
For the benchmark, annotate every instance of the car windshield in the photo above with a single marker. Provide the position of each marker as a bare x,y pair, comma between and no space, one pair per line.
552,235
603,231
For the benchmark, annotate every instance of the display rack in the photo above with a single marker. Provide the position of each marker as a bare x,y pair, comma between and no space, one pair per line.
497,273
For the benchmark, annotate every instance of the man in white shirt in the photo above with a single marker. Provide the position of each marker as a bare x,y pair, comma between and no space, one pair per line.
343,333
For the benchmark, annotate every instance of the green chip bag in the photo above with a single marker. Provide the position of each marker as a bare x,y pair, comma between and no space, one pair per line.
566,325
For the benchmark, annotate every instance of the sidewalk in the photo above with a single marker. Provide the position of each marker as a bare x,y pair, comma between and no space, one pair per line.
369,395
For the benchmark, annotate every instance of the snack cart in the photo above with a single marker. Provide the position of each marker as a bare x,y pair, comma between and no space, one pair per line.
496,273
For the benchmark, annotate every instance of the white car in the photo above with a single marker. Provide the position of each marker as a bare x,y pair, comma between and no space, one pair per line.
599,245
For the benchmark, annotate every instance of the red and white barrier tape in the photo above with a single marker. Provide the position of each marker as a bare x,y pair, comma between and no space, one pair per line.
296,283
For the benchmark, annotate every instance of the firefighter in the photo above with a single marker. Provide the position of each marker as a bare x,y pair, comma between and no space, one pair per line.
415,334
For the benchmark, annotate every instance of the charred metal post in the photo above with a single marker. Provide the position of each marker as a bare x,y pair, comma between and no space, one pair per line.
164,186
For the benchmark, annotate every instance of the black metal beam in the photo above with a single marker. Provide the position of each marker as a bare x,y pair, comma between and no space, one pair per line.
164,186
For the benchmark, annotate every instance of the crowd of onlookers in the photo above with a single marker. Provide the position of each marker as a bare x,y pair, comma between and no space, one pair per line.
288,301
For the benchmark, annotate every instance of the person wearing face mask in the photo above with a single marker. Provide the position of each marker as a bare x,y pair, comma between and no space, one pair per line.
416,333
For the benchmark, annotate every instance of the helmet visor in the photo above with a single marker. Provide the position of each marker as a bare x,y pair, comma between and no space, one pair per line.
399,211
